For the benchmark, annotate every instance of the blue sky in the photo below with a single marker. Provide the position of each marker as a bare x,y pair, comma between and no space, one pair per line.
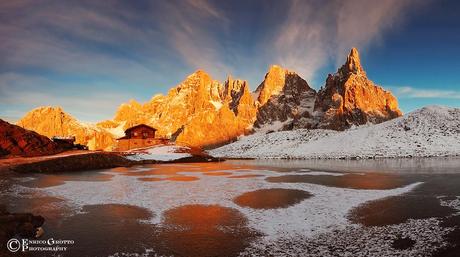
90,56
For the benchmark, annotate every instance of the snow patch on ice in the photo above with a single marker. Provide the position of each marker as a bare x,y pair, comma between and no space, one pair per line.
452,203
356,240
160,153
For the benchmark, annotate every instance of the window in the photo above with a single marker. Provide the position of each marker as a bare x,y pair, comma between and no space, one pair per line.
136,134
145,134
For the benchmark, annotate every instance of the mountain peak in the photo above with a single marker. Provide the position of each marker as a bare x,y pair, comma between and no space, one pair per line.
350,98
273,83
275,67
197,78
353,64
201,73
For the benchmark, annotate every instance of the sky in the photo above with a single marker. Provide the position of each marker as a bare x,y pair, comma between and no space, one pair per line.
91,56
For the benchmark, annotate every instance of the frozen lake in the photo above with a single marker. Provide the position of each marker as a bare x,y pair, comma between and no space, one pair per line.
401,207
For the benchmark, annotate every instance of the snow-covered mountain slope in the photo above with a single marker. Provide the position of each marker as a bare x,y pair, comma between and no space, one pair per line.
430,131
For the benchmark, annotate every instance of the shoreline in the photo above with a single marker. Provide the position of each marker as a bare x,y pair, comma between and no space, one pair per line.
355,158
95,160
382,165
84,161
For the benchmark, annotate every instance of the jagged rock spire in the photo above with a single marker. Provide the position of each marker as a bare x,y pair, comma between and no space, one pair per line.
350,98
353,63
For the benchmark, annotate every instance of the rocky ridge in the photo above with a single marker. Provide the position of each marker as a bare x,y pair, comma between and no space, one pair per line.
350,98
196,111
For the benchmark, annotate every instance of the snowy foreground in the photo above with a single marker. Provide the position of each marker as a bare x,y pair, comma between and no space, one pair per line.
430,131
160,153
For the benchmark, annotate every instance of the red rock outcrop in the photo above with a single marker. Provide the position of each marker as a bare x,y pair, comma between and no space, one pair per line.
350,98
16,141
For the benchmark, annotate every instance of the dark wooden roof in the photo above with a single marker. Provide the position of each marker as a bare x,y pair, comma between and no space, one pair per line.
138,126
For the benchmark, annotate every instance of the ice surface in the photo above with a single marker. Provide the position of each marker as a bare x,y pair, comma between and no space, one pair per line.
326,210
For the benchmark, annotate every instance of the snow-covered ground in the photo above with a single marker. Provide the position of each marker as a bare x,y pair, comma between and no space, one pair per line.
430,131
160,153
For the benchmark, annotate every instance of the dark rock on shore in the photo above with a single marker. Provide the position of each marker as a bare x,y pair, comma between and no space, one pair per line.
95,161
25,225
81,162
191,159
402,243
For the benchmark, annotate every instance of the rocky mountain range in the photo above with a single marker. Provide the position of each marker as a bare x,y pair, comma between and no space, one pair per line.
202,112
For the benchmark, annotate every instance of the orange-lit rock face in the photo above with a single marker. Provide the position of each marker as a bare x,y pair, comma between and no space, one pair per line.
53,121
16,141
350,98
202,112
194,112
272,85
286,98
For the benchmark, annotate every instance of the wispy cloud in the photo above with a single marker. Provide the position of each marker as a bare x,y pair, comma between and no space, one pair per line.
317,32
206,8
57,51
410,92
113,47
135,43
190,26
19,93
113,39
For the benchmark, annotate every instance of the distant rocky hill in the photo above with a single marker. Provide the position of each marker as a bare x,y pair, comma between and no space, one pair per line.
16,141
202,112
427,132
53,121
